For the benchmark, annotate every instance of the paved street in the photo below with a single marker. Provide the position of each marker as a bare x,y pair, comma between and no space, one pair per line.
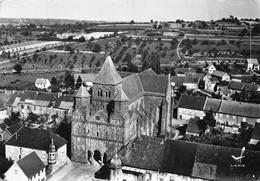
76,172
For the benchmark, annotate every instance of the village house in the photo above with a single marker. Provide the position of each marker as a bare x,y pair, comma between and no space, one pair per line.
191,107
211,68
252,64
210,82
190,82
117,110
157,159
229,114
40,103
235,86
184,71
50,147
8,132
255,138
29,168
42,83
221,76
192,127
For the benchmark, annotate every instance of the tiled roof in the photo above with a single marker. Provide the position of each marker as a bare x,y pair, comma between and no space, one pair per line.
192,102
65,105
125,74
193,126
87,77
42,81
108,74
82,92
68,99
132,86
179,81
45,96
14,128
184,70
38,139
256,132
28,95
212,104
218,73
31,165
121,96
189,159
242,85
240,109
148,72
154,83
12,98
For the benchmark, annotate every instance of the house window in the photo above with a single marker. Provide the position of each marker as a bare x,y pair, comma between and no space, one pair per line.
22,106
97,134
227,116
244,119
28,107
234,117
34,108
220,115
99,92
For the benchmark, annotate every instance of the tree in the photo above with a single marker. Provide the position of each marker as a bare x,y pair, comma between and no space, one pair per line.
96,48
79,82
82,39
132,22
127,58
69,80
18,68
209,118
98,63
54,81
5,164
13,119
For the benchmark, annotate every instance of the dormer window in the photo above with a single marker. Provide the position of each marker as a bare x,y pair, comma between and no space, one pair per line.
99,92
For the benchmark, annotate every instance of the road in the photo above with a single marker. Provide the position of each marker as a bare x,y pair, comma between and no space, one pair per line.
178,46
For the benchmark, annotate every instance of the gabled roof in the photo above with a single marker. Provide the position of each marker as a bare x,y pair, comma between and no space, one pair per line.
189,159
38,139
28,95
121,96
31,165
132,86
148,72
82,92
12,98
252,61
256,132
242,85
212,104
108,74
218,73
186,71
154,83
87,77
192,102
179,81
69,99
42,81
14,128
193,126
240,109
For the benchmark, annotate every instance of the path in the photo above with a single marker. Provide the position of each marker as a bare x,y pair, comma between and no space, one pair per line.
179,46
75,171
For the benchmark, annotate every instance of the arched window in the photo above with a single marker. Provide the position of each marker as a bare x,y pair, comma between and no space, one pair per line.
108,93
99,92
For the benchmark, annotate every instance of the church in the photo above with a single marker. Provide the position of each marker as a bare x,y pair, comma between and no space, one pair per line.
117,110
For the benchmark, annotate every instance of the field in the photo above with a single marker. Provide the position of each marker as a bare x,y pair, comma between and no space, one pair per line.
24,81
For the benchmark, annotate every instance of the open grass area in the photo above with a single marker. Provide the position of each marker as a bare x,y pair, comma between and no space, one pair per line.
24,79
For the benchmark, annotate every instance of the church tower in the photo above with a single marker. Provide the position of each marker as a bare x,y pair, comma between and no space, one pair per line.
106,85
52,153
116,173
82,100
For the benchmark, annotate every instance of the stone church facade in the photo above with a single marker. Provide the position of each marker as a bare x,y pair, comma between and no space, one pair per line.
118,110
